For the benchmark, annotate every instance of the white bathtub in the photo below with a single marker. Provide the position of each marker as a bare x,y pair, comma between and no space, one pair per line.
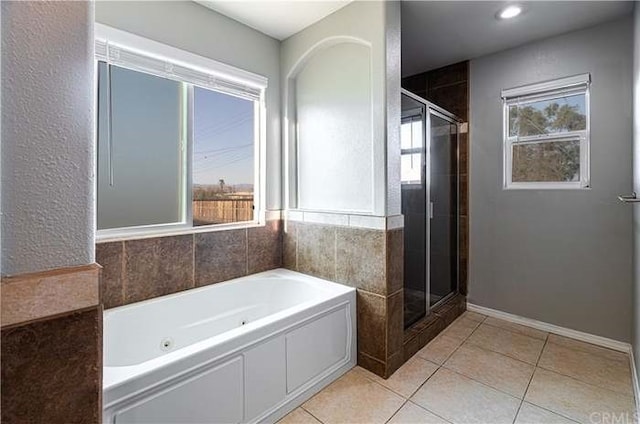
246,350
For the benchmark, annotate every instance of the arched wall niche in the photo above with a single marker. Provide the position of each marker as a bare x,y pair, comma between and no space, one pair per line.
329,128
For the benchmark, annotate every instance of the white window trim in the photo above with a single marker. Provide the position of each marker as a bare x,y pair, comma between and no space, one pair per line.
204,72
545,91
409,116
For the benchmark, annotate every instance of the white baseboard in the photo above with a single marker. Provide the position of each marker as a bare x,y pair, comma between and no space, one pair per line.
573,334
551,328
634,378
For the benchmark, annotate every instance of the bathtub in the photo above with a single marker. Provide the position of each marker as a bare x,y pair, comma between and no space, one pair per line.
242,351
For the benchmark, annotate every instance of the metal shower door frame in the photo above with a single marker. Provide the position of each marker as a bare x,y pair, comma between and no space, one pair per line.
432,109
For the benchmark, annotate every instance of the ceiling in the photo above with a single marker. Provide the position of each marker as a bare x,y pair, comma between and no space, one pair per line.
440,33
278,19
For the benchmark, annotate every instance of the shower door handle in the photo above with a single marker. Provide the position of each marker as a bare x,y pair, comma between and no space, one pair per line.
430,210
630,198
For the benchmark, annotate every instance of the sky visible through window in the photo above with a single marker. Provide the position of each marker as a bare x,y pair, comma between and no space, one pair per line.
223,146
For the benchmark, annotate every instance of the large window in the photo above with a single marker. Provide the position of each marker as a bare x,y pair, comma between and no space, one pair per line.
546,140
178,144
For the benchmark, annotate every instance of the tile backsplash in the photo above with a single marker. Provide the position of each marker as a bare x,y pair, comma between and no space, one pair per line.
135,270
370,260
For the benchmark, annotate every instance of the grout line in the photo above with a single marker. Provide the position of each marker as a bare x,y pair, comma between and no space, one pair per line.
335,254
193,261
546,340
246,251
518,332
428,410
500,353
482,383
309,412
576,335
123,265
553,412
397,410
586,383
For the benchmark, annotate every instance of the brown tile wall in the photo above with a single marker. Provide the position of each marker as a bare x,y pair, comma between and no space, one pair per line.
51,350
135,270
448,87
27,297
372,262
51,369
422,332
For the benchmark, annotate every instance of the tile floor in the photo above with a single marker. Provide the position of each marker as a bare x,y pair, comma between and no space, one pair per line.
484,370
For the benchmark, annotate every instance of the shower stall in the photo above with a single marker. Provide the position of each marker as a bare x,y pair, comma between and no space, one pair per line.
430,205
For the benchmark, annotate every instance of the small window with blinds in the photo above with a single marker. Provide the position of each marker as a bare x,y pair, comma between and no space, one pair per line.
546,135
179,143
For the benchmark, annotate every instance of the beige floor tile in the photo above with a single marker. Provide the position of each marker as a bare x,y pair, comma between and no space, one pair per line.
406,380
587,367
507,342
461,328
462,400
299,416
411,413
439,349
522,329
494,369
474,316
589,348
355,399
531,414
577,400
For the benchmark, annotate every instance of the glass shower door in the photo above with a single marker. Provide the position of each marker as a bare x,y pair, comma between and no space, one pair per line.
414,208
429,184
443,196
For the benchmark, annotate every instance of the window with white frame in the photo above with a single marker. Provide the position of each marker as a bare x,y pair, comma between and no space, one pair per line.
179,138
546,134
412,149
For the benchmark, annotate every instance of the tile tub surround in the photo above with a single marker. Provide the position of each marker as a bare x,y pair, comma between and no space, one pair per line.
51,346
141,269
456,380
369,260
27,297
51,369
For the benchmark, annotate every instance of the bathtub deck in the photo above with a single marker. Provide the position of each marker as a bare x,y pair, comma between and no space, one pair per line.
484,370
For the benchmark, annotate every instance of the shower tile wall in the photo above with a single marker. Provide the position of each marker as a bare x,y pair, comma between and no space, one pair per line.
141,269
369,260
448,87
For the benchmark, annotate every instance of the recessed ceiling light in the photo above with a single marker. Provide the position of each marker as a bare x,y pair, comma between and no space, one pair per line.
509,12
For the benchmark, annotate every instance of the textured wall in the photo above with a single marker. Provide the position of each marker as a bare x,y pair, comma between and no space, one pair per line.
364,22
47,135
559,256
194,28
333,114
392,24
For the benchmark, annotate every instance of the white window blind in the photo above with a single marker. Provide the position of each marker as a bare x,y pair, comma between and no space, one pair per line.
557,86
113,53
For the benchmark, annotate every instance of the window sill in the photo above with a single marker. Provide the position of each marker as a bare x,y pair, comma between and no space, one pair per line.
546,187
138,233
